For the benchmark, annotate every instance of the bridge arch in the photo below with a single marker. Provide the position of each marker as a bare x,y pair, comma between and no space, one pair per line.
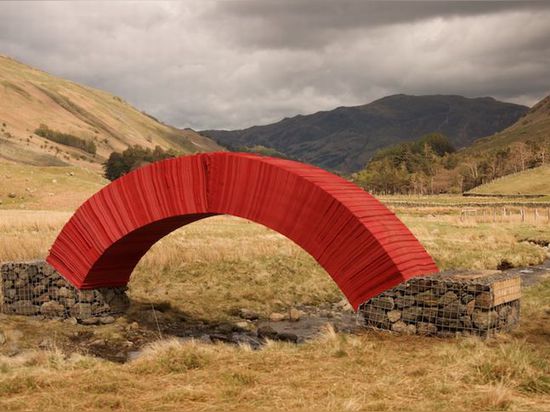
364,247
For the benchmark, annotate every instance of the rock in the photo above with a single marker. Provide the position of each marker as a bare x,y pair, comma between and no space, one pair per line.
400,327
470,306
81,310
62,283
427,298
89,321
429,314
277,317
425,328
446,334
12,195
411,329
98,343
266,332
3,338
10,293
453,310
287,337
68,302
466,322
71,321
100,309
404,301
325,313
25,307
450,322
484,319
246,325
86,296
52,309
375,316
484,300
411,314
294,315
248,314
39,289
394,315
133,327
448,298
105,320
467,298
63,292
383,302
218,337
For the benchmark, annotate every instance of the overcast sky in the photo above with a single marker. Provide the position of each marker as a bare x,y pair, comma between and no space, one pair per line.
233,64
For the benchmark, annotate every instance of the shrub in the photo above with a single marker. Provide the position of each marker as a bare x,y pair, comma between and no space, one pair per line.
65,139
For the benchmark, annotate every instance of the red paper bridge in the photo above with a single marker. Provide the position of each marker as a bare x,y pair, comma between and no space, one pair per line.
360,243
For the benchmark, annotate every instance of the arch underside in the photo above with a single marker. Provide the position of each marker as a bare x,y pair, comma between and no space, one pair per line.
362,245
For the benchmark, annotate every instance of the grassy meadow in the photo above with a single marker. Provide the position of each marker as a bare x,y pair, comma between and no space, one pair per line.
210,268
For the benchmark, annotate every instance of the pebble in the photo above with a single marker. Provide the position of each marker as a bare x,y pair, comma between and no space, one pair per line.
295,314
277,317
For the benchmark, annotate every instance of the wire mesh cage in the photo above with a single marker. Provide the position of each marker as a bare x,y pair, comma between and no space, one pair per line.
34,288
448,304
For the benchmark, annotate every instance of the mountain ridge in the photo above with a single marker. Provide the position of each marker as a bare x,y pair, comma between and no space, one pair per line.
346,137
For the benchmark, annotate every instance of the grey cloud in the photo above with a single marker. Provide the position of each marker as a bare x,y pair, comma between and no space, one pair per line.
306,23
233,64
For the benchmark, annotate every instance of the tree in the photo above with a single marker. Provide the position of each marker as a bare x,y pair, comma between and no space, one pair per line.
133,157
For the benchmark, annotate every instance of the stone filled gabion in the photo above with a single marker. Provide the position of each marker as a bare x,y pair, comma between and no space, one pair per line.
447,305
34,288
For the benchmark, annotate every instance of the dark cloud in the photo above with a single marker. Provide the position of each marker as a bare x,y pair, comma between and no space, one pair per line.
232,64
306,23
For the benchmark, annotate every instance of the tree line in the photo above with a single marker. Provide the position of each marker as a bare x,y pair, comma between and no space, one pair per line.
431,165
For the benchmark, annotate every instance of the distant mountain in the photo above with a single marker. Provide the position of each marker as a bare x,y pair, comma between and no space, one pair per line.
30,98
345,138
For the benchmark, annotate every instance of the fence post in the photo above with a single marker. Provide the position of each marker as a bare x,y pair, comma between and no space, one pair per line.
522,215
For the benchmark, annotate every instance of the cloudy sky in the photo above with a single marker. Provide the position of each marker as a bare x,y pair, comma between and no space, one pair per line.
232,64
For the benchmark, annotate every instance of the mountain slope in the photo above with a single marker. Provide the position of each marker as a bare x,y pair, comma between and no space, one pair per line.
535,125
30,97
345,138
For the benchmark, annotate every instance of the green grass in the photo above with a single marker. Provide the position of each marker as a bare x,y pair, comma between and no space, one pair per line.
530,182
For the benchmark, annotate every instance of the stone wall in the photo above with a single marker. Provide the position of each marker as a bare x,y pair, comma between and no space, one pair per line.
34,288
448,304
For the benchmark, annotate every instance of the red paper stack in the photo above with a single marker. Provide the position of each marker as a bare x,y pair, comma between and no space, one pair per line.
360,243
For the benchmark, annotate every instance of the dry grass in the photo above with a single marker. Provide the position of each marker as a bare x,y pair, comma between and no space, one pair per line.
212,266
335,372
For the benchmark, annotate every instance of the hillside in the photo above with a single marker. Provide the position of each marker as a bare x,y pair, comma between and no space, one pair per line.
530,182
30,98
535,125
47,187
345,138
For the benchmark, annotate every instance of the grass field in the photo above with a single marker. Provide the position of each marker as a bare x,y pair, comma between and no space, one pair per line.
46,188
533,181
208,269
